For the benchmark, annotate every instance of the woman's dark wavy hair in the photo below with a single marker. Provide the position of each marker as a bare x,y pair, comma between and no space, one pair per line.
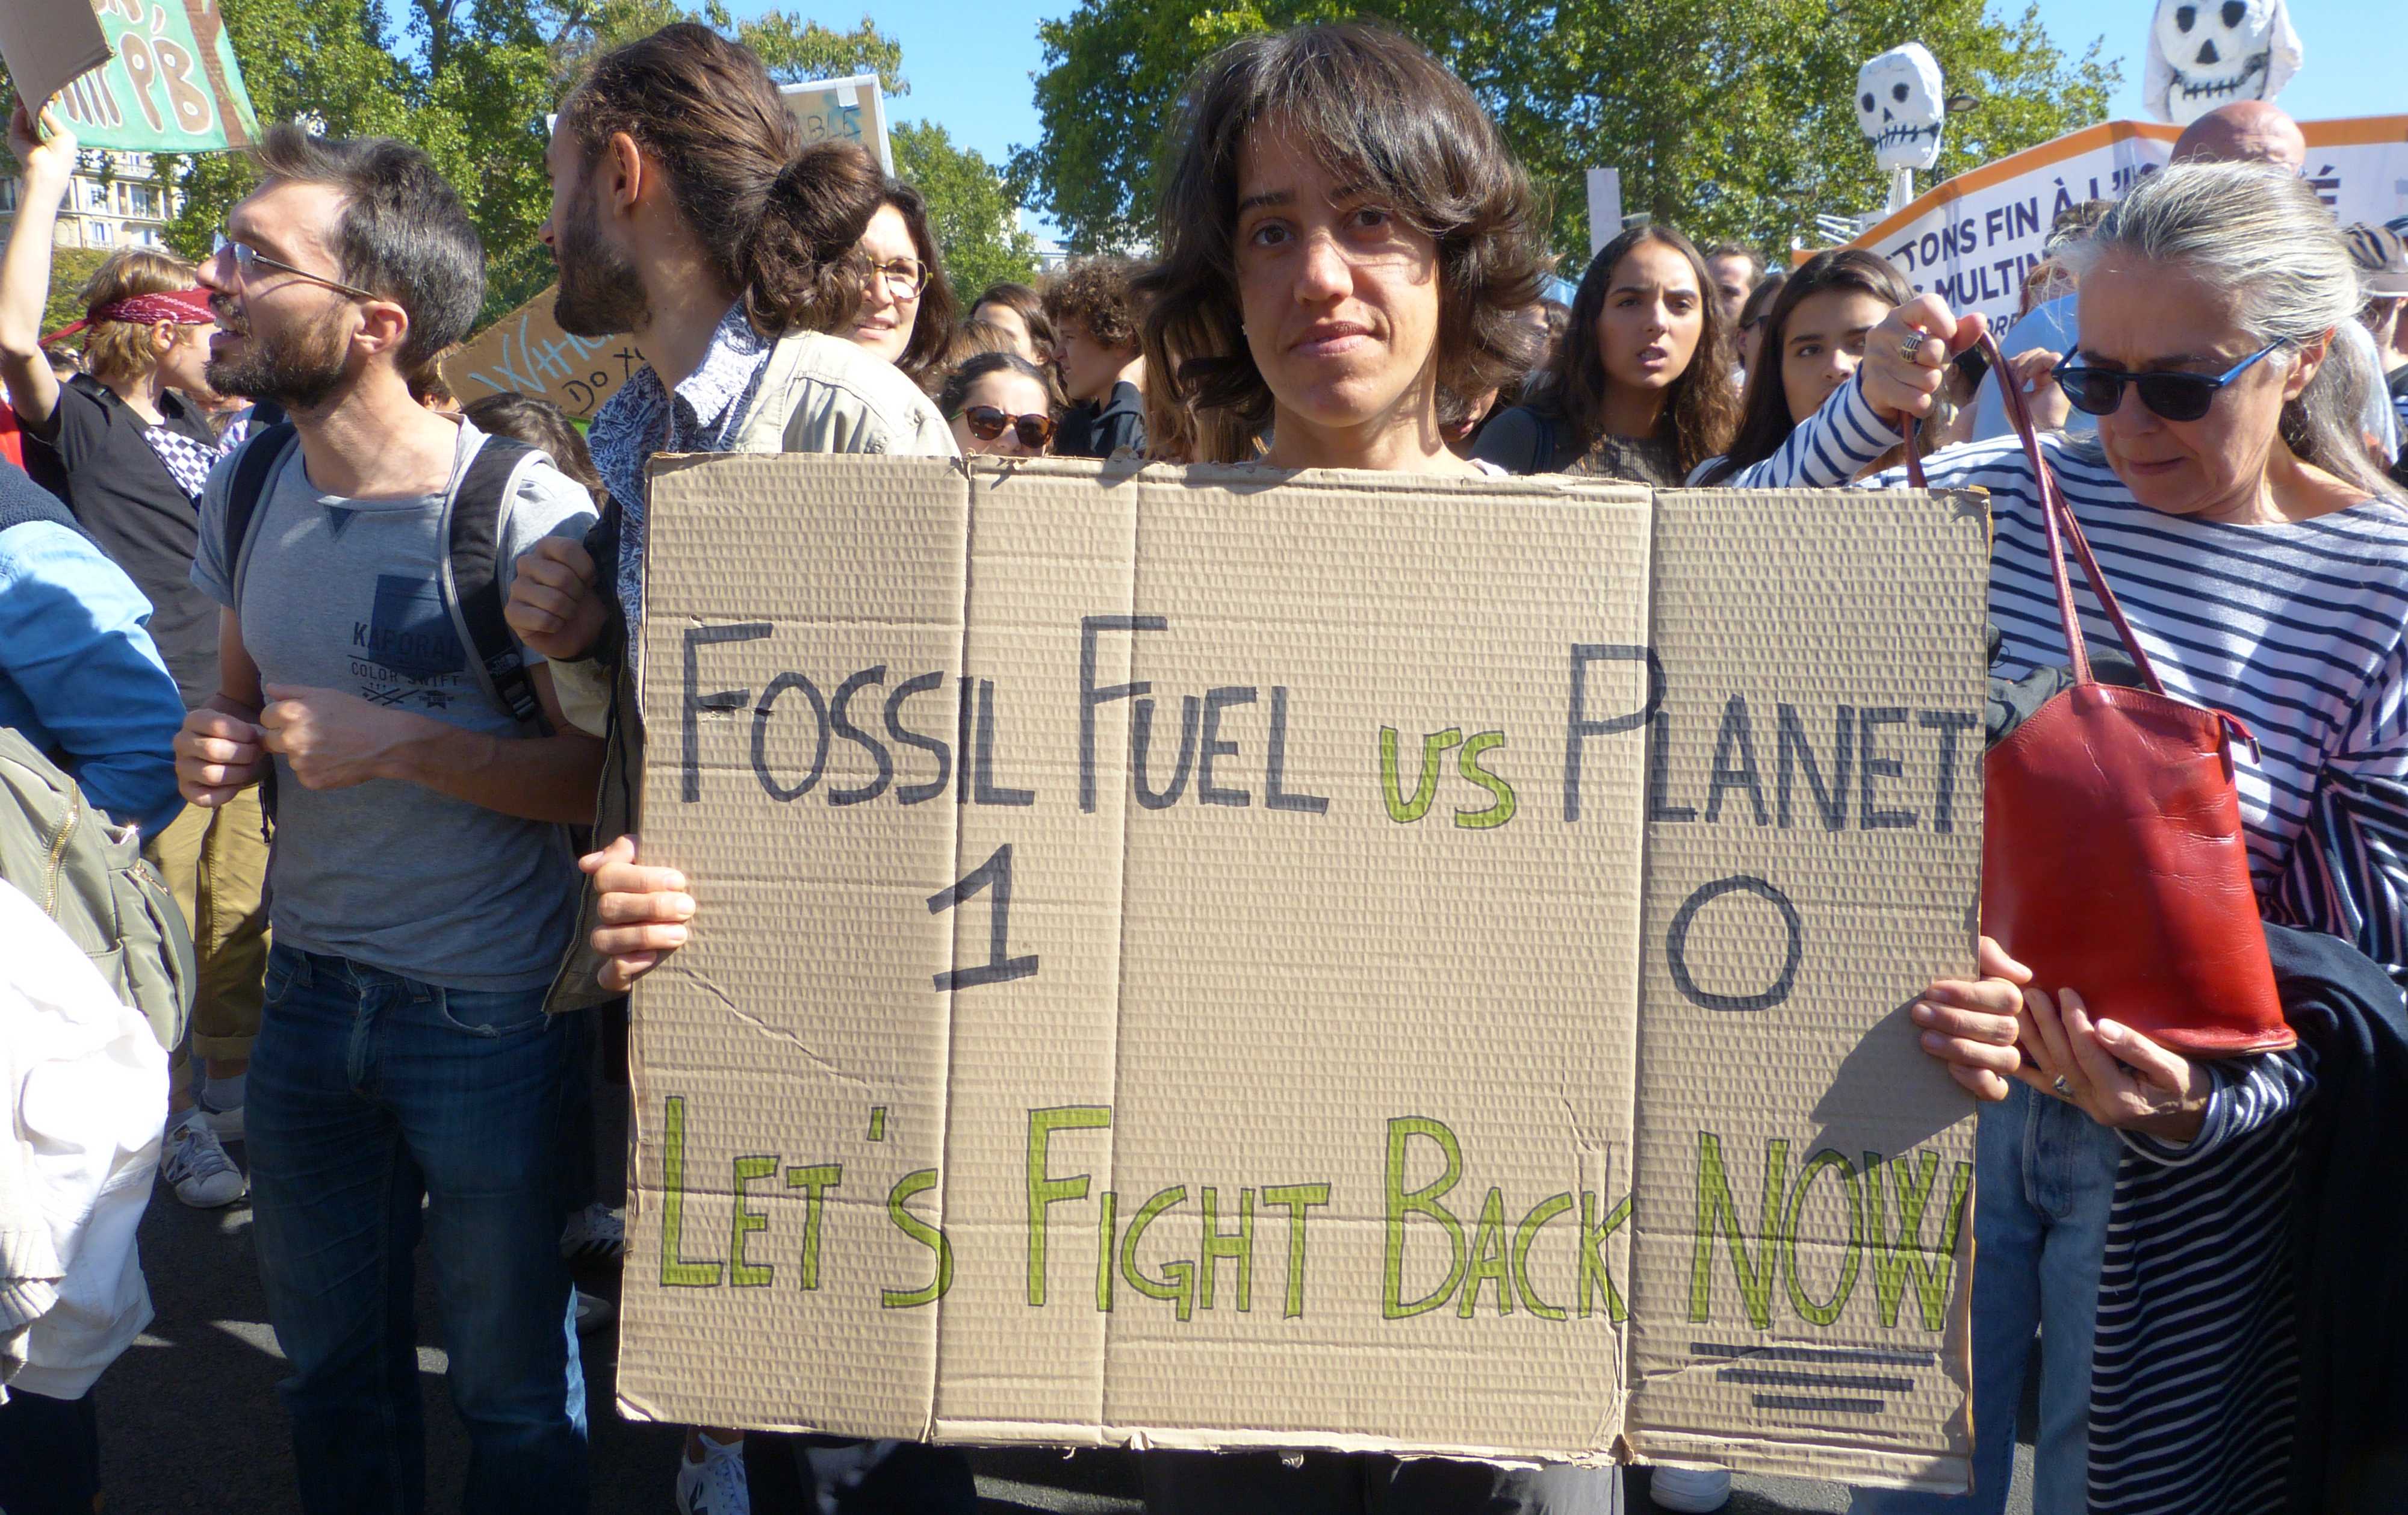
1379,111
778,219
1765,421
1701,407
930,351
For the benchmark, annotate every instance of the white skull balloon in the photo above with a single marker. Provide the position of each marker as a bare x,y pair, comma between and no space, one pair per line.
1899,106
2205,53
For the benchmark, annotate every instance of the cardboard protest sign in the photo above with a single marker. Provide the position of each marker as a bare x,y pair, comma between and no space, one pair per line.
526,351
1974,238
853,108
1218,958
170,83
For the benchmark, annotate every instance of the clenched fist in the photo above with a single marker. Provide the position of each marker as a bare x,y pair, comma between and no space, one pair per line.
553,605
332,740
217,756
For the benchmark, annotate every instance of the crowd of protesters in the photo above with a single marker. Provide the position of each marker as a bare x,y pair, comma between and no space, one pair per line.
236,609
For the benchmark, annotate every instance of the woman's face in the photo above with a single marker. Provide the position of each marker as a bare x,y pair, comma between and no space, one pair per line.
1824,342
1004,316
1015,395
1340,294
890,304
2140,316
1653,317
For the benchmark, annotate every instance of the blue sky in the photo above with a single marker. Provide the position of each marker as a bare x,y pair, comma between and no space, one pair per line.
970,63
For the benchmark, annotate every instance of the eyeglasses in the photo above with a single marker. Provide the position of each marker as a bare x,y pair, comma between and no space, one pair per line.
986,424
248,259
905,276
2098,392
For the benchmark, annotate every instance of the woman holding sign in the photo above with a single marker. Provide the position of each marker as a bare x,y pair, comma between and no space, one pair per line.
2262,563
1344,239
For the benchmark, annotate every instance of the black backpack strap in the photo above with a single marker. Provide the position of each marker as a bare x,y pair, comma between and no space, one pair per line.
254,465
473,576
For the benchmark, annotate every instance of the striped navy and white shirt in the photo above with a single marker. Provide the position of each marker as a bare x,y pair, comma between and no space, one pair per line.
2301,630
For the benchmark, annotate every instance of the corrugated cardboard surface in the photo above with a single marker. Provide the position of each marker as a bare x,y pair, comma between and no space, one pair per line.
1346,954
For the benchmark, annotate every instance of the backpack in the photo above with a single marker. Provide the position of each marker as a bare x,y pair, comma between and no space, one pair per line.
88,876
471,578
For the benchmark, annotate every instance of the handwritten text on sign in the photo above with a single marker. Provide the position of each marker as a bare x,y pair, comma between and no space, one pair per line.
1154,920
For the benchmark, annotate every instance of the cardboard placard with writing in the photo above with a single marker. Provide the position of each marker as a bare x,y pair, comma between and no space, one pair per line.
527,353
1222,958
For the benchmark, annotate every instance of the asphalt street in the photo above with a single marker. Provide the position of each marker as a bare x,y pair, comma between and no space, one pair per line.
190,1424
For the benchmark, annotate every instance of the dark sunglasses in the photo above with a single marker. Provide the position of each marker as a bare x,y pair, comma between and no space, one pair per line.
2098,392
986,424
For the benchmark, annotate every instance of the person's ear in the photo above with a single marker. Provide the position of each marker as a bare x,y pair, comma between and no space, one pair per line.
2303,372
383,327
163,337
624,181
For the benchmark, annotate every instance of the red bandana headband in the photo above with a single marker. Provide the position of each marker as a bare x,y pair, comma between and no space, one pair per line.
185,308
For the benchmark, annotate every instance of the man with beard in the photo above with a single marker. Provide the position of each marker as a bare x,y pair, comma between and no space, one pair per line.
422,881
687,213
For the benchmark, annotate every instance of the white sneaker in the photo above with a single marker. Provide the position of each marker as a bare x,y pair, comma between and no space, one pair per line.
716,1485
196,1162
595,1234
1689,1490
226,1123
593,1312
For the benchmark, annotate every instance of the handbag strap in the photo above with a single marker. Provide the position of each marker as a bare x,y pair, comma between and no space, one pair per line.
2057,517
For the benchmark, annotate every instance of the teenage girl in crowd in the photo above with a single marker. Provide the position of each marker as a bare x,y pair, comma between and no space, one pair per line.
1640,387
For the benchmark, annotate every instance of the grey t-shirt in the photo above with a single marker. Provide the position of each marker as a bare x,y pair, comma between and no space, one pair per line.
342,594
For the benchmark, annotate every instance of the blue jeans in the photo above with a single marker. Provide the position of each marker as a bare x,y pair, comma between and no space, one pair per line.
2044,1182
367,1092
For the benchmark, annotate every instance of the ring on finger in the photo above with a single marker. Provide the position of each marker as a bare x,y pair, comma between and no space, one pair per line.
1912,348
2064,1090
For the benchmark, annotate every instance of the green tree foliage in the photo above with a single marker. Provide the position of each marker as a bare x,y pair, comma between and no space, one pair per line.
71,269
1728,120
973,212
471,83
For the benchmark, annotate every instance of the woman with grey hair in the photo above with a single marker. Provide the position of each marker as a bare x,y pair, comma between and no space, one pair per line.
2262,562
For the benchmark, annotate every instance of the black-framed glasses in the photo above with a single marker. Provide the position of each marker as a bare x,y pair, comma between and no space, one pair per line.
2097,392
905,276
248,258
987,423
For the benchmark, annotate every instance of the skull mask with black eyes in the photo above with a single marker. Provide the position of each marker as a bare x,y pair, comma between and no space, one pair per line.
1899,106
2205,53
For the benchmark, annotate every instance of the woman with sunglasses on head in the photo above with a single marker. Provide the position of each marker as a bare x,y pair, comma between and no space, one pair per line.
1640,386
2263,564
908,310
1000,405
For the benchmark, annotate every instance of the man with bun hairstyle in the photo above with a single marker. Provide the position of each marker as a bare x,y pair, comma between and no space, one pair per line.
688,214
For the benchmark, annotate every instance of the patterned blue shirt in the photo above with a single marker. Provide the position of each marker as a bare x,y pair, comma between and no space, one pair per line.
643,418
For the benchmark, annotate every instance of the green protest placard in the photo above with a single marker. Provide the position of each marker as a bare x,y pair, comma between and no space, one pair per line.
170,83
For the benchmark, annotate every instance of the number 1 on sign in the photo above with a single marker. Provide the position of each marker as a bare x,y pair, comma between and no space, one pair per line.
999,968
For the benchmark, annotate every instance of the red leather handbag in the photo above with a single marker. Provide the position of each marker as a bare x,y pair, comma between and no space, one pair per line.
2113,861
